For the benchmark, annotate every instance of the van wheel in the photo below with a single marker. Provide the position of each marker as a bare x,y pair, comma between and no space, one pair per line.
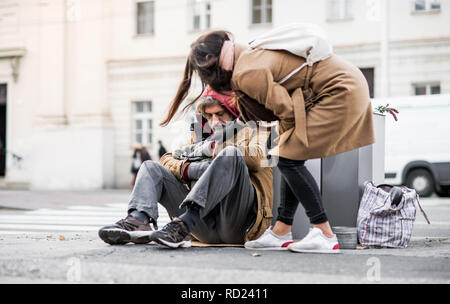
421,181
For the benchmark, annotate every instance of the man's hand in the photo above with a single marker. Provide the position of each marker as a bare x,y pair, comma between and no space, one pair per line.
178,153
201,151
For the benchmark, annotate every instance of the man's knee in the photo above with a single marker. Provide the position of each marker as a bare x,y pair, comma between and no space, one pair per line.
151,166
231,154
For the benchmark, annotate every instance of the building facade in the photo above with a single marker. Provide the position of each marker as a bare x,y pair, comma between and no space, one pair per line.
82,80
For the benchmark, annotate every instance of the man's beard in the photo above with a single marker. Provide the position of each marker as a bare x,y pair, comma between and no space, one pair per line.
218,126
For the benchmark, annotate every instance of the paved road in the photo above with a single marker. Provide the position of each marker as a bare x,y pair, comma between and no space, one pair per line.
61,245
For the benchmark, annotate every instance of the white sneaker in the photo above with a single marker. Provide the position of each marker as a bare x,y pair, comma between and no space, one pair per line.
316,242
270,241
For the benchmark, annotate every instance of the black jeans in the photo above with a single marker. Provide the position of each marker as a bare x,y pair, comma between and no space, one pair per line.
298,185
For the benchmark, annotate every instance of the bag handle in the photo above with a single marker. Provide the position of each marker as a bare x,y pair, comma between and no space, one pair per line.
417,199
423,212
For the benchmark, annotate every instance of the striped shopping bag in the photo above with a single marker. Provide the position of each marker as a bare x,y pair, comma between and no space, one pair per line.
386,216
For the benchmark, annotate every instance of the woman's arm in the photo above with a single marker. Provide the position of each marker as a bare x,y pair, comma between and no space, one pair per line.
260,85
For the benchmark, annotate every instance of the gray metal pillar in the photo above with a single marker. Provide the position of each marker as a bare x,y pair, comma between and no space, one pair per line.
344,175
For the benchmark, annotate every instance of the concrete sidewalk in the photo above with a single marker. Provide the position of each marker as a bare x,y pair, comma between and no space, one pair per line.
82,257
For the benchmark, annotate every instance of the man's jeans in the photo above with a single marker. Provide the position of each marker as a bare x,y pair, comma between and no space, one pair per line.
224,191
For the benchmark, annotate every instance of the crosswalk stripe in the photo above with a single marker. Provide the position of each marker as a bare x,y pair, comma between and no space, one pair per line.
61,220
41,227
71,219
120,207
77,213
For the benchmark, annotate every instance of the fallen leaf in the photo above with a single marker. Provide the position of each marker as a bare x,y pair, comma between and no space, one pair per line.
62,238
256,254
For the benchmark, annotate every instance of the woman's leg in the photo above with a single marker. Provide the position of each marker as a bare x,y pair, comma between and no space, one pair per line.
300,186
286,210
133,180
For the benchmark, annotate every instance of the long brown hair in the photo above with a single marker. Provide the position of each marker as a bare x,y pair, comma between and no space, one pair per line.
203,59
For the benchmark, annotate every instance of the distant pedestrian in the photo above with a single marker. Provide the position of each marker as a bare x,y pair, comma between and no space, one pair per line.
140,155
162,150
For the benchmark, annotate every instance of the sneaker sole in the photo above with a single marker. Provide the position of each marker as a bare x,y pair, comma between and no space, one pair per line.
267,248
122,237
114,236
182,244
315,251
140,237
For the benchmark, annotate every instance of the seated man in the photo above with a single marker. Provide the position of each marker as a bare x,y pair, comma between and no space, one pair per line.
231,195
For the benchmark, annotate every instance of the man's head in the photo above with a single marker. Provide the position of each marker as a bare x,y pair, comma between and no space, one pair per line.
216,114
218,109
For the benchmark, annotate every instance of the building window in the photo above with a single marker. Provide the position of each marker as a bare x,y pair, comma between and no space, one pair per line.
201,14
339,9
426,89
261,11
426,6
142,123
145,17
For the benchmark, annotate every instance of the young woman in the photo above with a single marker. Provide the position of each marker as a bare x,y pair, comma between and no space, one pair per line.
323,110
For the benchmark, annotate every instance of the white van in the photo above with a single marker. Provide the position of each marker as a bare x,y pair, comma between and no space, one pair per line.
418,144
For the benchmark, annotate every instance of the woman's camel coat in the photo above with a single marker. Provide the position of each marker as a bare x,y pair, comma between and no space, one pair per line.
323,109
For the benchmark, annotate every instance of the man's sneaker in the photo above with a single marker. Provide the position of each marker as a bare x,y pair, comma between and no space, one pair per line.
316,242
125,231
270,241
175,234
